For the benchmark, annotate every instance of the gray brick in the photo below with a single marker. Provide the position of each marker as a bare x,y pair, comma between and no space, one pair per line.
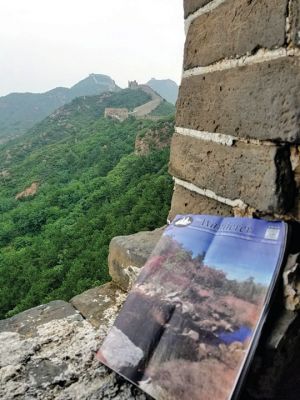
235,28
186,202
258,175
260,101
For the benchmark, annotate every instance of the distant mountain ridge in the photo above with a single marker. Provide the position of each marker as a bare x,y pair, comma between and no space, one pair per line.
166,88
20,111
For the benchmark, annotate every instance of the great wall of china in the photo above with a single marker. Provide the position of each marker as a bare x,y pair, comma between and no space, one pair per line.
235,152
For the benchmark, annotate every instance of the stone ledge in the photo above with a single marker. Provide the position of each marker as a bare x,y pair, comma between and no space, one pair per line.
263,26
127,254
100,305
27,323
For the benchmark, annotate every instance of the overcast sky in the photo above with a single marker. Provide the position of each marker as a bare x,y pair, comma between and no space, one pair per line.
49,43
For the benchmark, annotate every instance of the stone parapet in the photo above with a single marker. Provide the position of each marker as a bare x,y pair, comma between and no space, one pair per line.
259,176
257,101
127,254
235,28
240,88
236,147
100,305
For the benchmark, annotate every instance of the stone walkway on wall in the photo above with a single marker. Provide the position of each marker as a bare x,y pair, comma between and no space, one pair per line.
150,106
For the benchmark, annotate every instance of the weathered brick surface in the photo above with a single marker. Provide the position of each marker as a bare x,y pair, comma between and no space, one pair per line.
259,175
259,101
235,28
186,202
191,6
295,21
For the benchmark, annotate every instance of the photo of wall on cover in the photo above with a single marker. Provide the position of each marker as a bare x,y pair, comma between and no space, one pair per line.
186,326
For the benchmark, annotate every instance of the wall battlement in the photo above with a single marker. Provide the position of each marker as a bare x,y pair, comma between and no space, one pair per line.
240,88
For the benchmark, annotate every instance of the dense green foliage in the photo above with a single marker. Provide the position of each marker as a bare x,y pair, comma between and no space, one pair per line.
91,187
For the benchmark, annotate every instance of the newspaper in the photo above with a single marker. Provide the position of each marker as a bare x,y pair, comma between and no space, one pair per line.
190,325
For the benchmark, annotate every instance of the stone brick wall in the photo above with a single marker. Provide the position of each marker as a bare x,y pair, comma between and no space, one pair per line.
119,114
236,146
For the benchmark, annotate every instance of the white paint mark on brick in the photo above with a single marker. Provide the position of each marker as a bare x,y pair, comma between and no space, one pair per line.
209,193
220,138
207,136
203,10
261,56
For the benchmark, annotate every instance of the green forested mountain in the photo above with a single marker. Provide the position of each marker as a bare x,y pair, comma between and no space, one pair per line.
20,111
90,186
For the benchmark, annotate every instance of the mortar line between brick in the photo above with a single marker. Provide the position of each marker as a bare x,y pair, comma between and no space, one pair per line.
203,10
220,138
260,57
210,194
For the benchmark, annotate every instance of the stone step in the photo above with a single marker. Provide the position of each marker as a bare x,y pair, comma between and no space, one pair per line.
127,254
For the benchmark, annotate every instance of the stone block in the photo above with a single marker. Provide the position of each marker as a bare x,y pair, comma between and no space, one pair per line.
27,322
259,175
190,6
295,21
48,352
259,101
185,201
235,28
127,254
100,305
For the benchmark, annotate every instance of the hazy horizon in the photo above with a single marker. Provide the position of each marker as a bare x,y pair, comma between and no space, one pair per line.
82,78
50,44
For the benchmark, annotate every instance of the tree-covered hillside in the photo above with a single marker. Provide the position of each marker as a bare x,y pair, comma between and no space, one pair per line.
90,187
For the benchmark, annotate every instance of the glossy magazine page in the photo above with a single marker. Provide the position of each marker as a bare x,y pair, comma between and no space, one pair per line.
187,326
